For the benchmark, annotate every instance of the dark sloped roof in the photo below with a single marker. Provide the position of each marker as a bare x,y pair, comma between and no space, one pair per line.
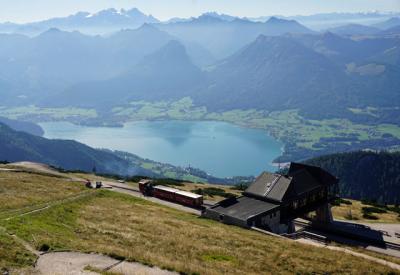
269,186
302,182
243,208
322,176
300,179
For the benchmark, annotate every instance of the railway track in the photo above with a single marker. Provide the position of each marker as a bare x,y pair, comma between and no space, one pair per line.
342,234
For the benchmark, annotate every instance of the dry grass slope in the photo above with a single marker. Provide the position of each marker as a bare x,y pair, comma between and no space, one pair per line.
142,231
22,189
12,254
344,212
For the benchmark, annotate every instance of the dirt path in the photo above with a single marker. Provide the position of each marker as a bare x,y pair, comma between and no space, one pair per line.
74,263
38,167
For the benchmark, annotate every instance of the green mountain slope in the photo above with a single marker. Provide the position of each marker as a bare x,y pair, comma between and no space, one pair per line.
71,155
29,127
365,175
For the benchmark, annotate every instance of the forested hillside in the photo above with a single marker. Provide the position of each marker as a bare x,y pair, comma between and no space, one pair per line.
71,155
365,175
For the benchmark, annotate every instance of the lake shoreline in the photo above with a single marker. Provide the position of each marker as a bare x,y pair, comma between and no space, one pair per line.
230,144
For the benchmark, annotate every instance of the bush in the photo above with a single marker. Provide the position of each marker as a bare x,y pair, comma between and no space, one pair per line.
394,209
240,186
373,203
117,257
346,202
373,209
370,216
339,201
44,247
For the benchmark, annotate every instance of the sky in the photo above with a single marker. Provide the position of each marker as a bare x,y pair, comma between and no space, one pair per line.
21,11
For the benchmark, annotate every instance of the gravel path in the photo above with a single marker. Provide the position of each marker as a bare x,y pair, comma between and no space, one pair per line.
74,263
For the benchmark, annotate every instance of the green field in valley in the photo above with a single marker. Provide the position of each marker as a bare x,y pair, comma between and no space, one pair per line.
303,138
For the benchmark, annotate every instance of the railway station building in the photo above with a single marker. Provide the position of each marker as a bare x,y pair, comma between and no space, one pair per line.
273,201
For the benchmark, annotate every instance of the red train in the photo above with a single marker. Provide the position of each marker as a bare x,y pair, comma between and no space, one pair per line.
171,194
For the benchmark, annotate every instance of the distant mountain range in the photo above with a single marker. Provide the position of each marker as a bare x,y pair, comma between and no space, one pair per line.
321,75
389,26
223,38
263,76
104,21
112,20
167,73
324,21
38,67
221,62
390,23
355,29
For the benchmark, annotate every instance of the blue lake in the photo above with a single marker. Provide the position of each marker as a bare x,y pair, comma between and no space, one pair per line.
219,148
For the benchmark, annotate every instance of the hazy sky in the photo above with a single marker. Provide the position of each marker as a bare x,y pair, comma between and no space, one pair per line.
32,10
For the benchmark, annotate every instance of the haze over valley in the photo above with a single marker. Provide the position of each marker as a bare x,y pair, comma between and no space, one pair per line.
316,90
199,137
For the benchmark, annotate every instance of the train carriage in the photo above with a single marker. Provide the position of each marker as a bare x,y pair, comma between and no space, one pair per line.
170,194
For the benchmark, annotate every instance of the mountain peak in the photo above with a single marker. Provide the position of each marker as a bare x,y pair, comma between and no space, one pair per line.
51,32
173,48
281,40
278,26
171,54
106,12
276,20
133,12
58,32
147,27
221,16
328,35
207,18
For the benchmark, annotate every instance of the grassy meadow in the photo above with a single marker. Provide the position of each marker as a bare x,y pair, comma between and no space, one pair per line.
354,211
12,254
32,112
137,230
134,229
22,190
